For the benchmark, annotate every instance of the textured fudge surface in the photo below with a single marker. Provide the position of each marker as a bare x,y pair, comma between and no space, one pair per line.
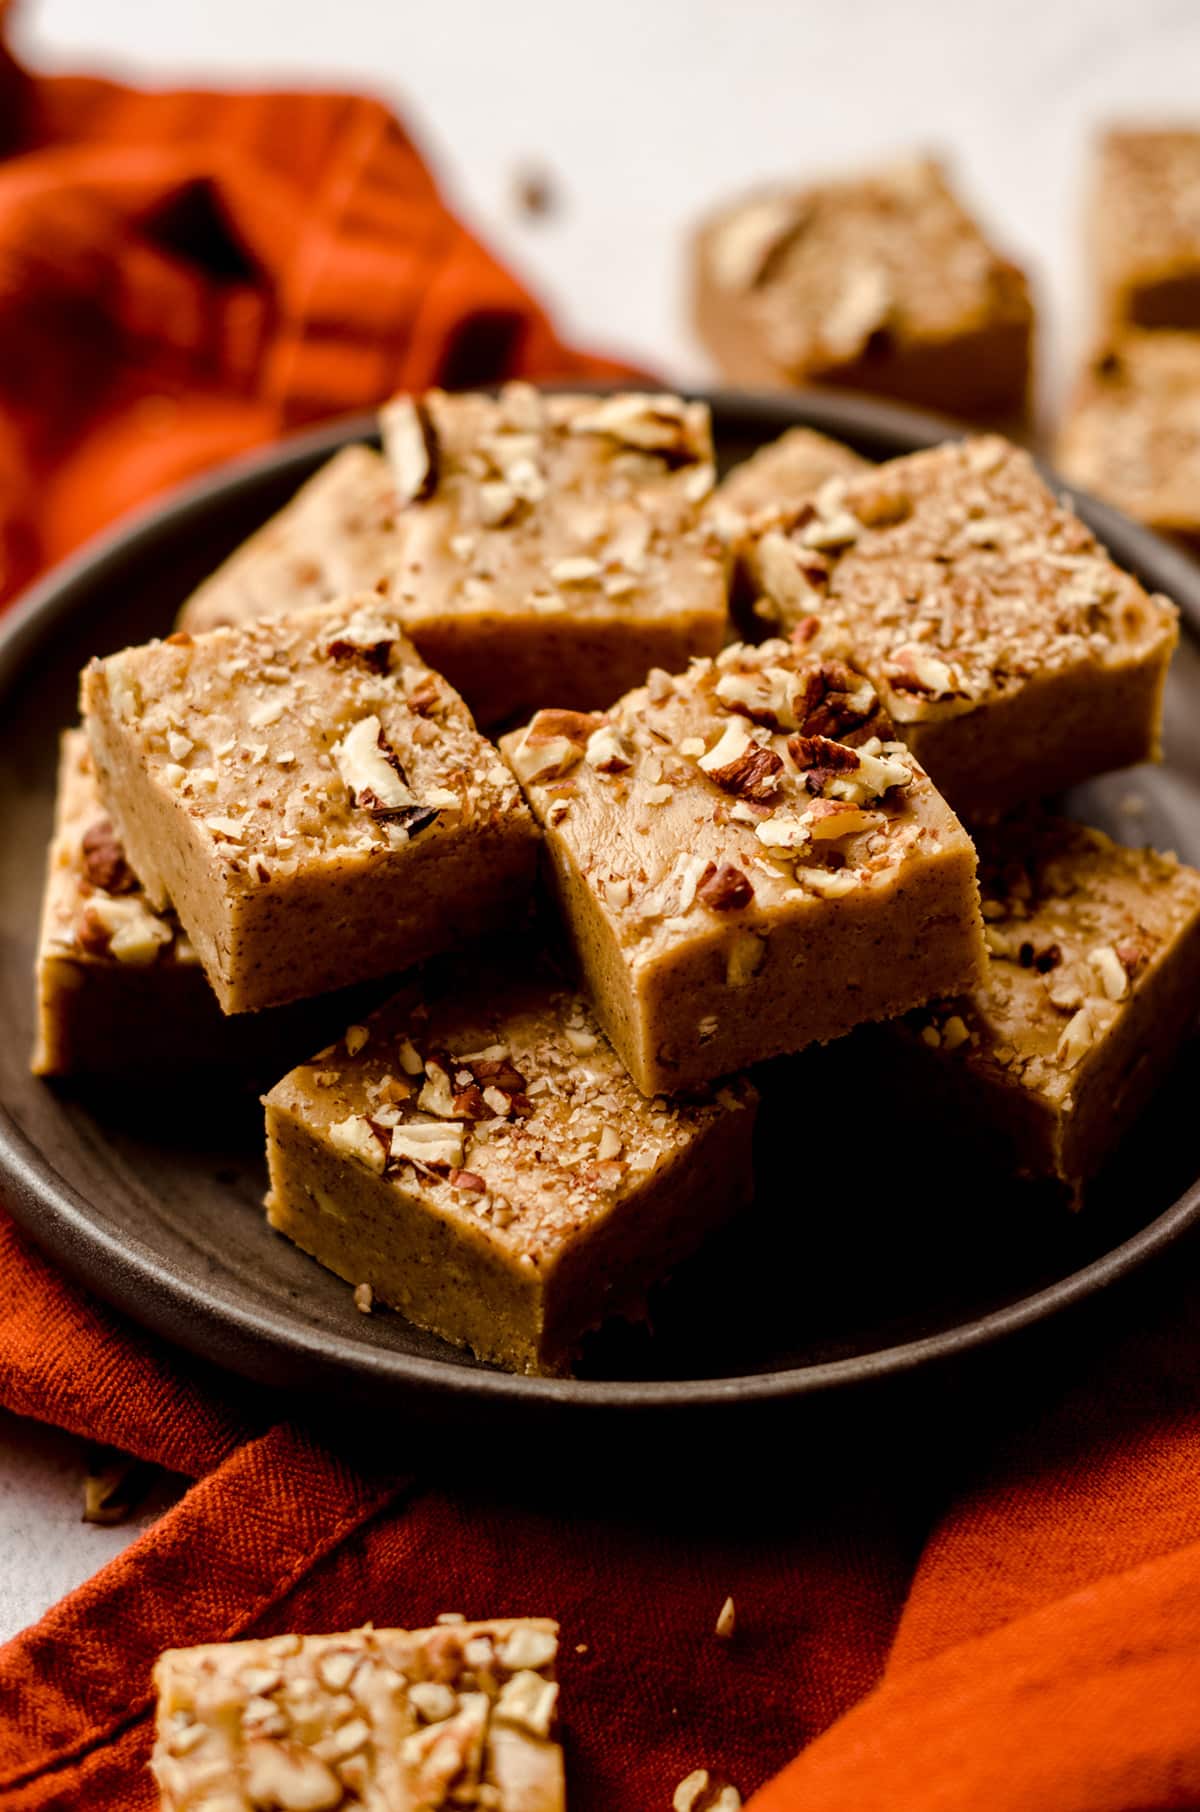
338,535
779,477
497,1107
551,503
708,811
1093,978
462,1715
279,781
956,577
1146,225
1132,433
554,547
822,270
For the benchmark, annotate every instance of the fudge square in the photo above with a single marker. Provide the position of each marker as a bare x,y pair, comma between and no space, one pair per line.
553,547
1014,658
476,1156
311,797
1093,979
335,537
462,1715
1132,429
118,984
778,478
1143,227
747,861
881,282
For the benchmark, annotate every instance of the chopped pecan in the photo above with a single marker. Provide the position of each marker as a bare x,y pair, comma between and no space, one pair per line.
469,1180
821,760
1049,958
104,860
725,889
806,631
92,936
412,446
754,774
374,655
1130,954
835,699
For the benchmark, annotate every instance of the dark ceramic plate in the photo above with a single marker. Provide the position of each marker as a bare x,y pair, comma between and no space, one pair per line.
862,1258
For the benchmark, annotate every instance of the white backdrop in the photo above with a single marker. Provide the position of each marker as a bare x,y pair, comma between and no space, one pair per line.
645,111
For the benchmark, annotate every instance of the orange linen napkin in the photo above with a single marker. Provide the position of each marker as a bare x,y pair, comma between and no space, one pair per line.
974,1619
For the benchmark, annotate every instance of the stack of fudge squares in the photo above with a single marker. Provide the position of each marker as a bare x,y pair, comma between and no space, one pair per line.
750,846
1132,429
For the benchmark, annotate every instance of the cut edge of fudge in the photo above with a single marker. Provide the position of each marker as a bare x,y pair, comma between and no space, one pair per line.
312,798
732,848
308,1722
104,957
510,1195
1059,1087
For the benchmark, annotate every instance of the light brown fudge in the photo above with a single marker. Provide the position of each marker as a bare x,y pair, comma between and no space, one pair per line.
554,547
1013,656
1132,430
462,1715
476,1156
1143,227
336,536
1093,979
777,479
310,796
747,861
880,282
118,984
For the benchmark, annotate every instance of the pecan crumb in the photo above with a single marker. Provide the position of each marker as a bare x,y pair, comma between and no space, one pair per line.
104,860
725,889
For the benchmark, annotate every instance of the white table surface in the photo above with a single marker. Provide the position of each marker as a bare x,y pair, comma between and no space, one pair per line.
644,112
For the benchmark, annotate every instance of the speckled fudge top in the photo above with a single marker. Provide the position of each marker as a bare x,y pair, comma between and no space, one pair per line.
503,1102
1073,923
825,268
306,738
955,576
1148,191
776,479
761,778
96,911
1133,430
460,1715
337,536
547,503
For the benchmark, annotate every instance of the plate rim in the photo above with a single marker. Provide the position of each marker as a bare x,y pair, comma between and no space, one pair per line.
260,1342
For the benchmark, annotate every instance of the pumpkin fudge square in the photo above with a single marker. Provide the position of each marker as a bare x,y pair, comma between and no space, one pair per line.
118,984
313,799
475,1156
1013,656
748,861
337,536
1143,227
1132,430
1093,979
553,547
880,282
462,1715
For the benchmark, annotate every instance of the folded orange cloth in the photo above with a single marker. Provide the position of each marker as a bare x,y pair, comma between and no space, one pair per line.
941,1617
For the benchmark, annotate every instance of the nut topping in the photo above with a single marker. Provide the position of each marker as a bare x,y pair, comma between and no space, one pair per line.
607,752
358,1138
104,861
289,1777
739,765
724,889
552,745
363,639
433,1144
411,442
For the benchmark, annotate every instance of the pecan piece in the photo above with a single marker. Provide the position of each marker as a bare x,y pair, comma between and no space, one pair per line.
412,445
104,860
821,760
725,889
835,699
